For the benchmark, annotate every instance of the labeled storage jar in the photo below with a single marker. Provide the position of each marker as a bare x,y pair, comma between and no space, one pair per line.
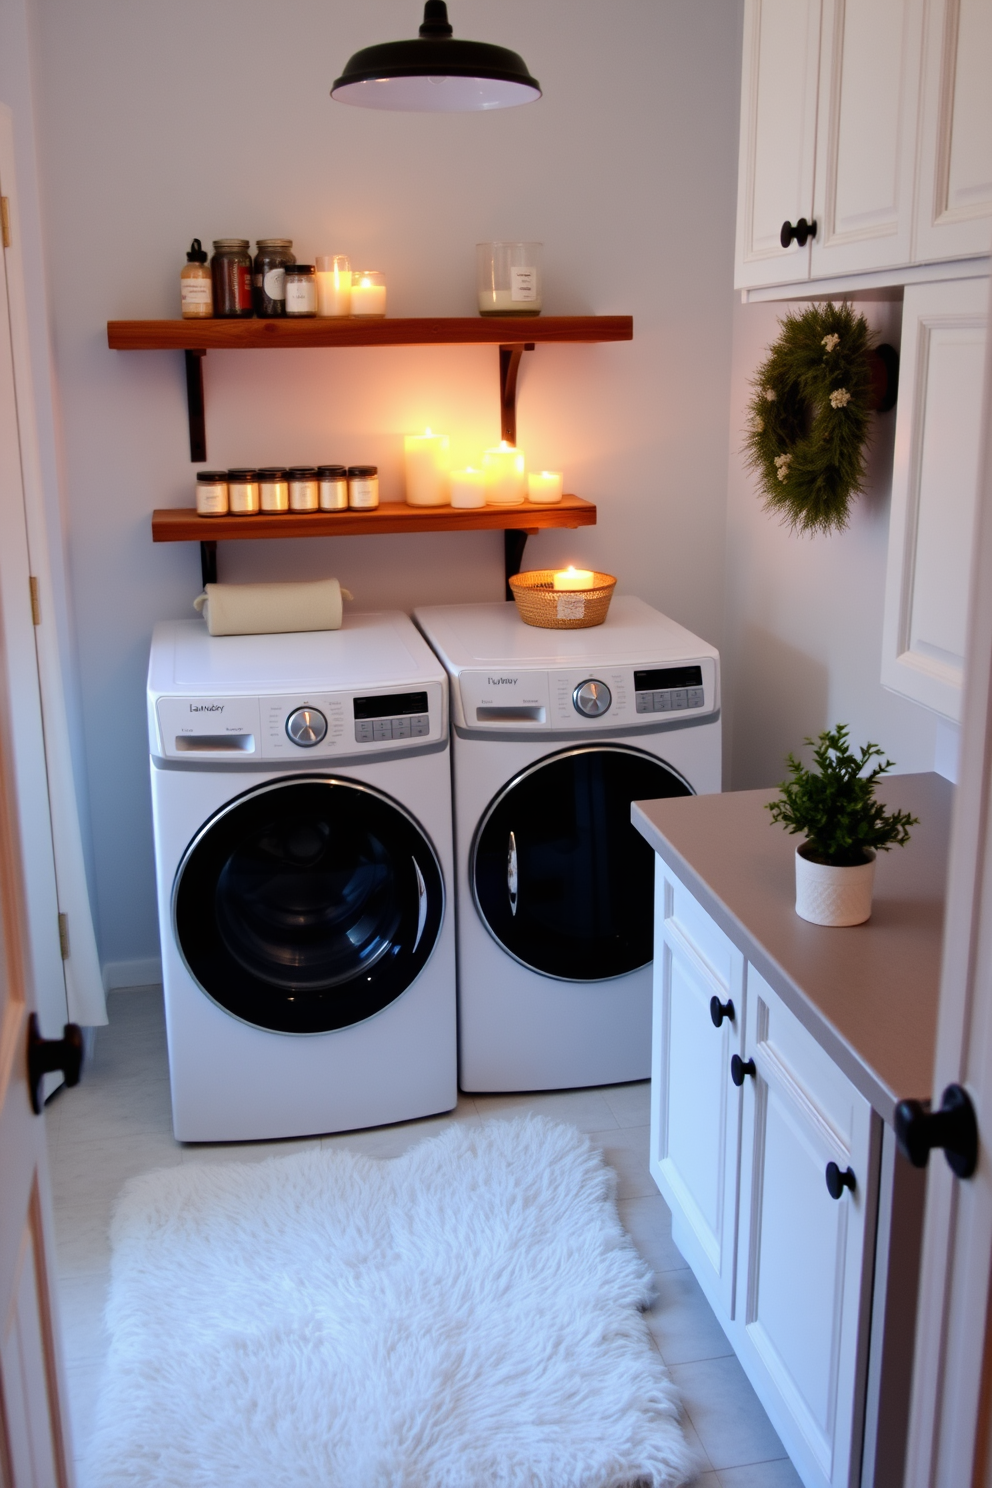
509,278
242,492
211,493
196,291
363,487
301,289
304,489
273,489
333,481
230,269
269,276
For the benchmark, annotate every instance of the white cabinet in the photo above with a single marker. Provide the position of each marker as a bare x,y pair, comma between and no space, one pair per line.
954,194
934,492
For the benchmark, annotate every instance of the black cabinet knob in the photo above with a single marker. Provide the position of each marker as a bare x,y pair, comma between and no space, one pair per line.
47,1055
800,233
953,1127
720,1010
740,1067
838,1181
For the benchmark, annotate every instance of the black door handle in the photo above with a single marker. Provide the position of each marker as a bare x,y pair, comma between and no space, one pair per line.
740,1067
953,1127
720,1010
838,1181
801,232
47,1055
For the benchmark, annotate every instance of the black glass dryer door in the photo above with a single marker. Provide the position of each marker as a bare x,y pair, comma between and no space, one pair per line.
561,878
308,905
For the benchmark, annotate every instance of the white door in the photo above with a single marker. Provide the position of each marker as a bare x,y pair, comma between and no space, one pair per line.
805,1257
954,188
777,144
866,135
695,1111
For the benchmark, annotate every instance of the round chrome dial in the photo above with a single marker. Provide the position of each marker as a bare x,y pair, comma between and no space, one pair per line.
592,699
306,727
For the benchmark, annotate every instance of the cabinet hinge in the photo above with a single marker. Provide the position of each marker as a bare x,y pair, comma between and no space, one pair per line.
64,936
35,601
5,219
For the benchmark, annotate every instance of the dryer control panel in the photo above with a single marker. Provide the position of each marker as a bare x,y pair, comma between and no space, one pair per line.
596,696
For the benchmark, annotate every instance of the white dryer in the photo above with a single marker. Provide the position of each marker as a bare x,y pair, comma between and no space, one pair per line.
302,813
555,733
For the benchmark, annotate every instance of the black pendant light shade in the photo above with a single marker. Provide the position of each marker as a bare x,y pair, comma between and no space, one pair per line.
436,74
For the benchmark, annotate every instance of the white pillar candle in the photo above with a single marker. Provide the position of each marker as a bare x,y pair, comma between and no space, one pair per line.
333,285
368,294
571,580
468,487
505,474
427,463
544,487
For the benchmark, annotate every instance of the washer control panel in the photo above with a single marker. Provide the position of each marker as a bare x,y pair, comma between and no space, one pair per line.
306,727
592,699
520,699
398,715
669,689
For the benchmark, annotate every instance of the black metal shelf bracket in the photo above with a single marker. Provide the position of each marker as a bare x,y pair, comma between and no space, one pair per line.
208,562
194,404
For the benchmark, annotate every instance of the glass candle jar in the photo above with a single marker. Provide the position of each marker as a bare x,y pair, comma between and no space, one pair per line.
544,487
211,493
506,475
230,268
242,492
509,278
368,293
273,489
269,276
363,487
333,284
301,289
304,490
333,481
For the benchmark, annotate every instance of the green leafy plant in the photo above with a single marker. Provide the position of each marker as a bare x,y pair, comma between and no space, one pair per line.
834,804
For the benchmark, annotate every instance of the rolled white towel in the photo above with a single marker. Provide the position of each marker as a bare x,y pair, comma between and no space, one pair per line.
272,609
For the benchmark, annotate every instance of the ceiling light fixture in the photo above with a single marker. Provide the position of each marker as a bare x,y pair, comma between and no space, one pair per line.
436,74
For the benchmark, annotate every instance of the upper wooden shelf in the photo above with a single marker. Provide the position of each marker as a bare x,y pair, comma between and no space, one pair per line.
254,335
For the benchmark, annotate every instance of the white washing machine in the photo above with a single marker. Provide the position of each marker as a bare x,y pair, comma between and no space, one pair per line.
554,734
302,811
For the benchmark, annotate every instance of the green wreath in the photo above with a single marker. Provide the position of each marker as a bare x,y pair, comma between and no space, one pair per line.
809,418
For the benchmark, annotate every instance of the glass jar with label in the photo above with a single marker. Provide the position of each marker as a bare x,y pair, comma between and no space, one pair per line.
273,489
269,276
363,487
509,278
333,487
196,292
230,269
304,489
242,492
301,289
211,493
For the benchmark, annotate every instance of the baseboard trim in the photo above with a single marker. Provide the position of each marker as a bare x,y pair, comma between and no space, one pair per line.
144,972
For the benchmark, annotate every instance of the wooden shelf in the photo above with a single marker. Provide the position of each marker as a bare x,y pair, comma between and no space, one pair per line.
255,335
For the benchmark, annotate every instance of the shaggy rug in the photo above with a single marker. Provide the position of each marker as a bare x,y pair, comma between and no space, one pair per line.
465,1316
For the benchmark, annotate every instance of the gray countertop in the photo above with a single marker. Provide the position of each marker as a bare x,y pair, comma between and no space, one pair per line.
867,993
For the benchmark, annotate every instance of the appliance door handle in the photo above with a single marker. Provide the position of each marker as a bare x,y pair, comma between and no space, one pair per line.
421,902
512,875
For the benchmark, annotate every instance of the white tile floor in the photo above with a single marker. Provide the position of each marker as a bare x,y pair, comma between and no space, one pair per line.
117,1123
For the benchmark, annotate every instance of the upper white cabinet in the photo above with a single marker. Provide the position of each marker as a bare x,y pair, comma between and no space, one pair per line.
954,197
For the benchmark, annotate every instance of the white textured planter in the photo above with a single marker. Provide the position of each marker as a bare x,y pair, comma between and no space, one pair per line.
826,895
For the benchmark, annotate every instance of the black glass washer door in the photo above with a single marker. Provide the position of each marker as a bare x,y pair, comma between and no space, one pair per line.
308,905
561,878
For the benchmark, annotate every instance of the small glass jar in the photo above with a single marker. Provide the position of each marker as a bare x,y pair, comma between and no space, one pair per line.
269,276
509,278
211,493
273,489
196,289
242,492
333,284
333,481
368,294
363,487
304,489
230,269
301,289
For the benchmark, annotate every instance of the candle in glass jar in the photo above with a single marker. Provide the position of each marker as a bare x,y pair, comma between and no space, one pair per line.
368,293
333,284
505,475
426,457
468,487
544,487
570,580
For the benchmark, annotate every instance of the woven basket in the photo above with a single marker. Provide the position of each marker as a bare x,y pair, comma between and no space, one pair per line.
541,604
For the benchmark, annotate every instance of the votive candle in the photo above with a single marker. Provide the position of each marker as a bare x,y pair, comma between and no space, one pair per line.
504,465
427,463
544,487
468,487
333,284
368,293
571,580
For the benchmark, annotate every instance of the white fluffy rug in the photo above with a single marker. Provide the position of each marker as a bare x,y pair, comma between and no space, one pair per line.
465,1316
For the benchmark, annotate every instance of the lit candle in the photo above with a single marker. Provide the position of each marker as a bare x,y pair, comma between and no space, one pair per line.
571,579
505,473
333,284
368,293
426,469
544,487
468,487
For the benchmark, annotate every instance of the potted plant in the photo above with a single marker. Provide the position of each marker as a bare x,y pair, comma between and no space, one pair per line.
834,805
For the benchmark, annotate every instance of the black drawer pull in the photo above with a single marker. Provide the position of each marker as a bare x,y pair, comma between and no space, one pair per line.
801,232
739,1068
838,1181
720,1010
953,1127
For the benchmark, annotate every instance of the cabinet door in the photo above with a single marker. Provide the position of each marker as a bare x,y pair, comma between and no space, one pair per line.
778,124
695,1110
954,191
804,1266
934,492
866,135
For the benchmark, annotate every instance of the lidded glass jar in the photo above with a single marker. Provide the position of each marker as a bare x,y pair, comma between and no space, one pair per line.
363,487
273,489
301,289
269,276
304,489
231,271
211,493
333,487
242,492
